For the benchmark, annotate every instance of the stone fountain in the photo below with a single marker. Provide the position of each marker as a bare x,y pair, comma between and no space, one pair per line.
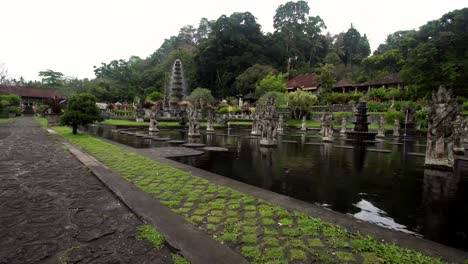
177,89
361,126
440,133
267,125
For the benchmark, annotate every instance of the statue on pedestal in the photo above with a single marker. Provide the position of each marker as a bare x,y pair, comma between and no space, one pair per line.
153,126
381,130
458,136
268,123
396,128
280,127
304,124
440,134
327,126
210,120
343,125
255,123
194,125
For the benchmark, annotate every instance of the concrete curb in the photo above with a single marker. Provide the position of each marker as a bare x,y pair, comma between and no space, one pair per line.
194,244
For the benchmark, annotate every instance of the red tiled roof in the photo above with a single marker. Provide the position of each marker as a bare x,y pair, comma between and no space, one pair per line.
344,83
30,92
305,80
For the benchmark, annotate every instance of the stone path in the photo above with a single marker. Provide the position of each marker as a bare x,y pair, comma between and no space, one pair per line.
52,210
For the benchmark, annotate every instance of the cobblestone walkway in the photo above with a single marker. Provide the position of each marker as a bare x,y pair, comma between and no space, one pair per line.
52,210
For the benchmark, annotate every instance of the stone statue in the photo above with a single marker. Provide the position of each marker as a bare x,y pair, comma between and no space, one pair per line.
381,130
396,128
458,136
304,124
440,133
194,125
210,120
241,104
268,123
343,125
153,126
280,127
327,126
322,119
465,132
255,123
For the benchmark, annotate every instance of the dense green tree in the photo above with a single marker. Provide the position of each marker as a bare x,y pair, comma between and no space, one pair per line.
249,79
326,77
201,97
234,44
439,54
300,36
300,102
272,83
281,99
354,47
51,79
81,110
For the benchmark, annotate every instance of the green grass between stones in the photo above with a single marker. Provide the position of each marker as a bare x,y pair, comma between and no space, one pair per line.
150,234
256,227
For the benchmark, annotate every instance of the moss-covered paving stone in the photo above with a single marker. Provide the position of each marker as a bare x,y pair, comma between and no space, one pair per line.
233,217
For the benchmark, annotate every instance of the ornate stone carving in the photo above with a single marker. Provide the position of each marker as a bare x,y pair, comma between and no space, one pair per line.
381,130
194,125
267,119
327,126
458,136
153,126
396,128
440,134
343,125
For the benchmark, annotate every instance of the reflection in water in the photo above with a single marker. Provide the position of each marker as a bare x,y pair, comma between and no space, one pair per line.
440,188
399,193
372,214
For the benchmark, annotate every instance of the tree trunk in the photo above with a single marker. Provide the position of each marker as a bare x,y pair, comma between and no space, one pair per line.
75,129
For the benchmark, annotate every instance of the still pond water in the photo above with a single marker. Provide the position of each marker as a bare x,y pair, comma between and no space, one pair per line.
384,183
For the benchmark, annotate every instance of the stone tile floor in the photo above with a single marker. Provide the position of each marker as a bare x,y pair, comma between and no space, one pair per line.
52,210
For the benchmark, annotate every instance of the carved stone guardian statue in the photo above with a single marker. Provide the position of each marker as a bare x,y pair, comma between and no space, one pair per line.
194,125
440,133
268,123
153,126
396,128
327,126
381,130
458,136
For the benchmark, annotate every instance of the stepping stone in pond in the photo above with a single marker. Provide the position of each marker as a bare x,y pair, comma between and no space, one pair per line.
314,144
141,135
160,139
176,142
251,137
215,149
289,141
421,145
380,150
394,143
193,145
343,147
417,154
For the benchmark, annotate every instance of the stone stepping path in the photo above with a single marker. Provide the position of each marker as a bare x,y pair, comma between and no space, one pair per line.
379,150
315,144
160,139
176,142
418,154
289,141
194,145
343,147
215,149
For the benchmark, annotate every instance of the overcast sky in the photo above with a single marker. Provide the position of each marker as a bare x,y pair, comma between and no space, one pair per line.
71,36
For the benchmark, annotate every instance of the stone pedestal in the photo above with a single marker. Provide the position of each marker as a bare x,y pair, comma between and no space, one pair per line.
268,143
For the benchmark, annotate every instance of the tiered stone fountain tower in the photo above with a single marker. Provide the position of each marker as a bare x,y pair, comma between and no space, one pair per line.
177,88
361,126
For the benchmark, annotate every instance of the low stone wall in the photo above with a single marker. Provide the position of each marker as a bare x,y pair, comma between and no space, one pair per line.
372,118
333,108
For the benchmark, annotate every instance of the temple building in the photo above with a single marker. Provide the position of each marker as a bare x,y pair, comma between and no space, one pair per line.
30,96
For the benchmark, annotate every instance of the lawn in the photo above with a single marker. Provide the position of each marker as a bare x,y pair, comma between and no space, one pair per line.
263,232
42,121
6,120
